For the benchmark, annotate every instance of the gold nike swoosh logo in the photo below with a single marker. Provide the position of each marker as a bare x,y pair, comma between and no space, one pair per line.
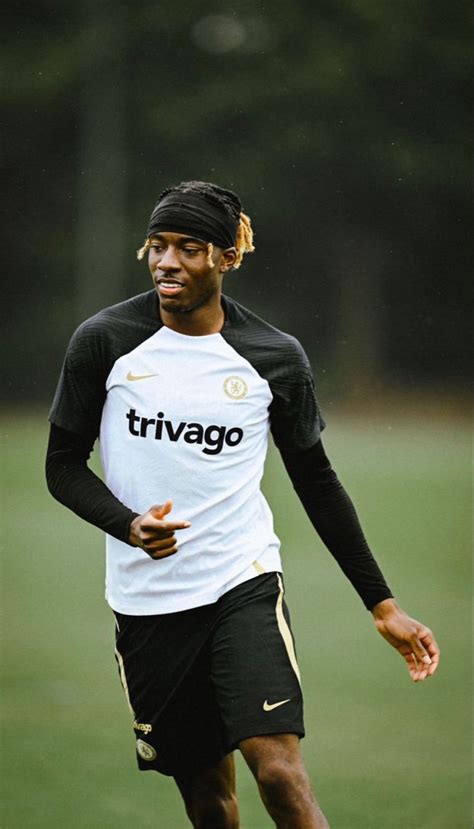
131,376
269,707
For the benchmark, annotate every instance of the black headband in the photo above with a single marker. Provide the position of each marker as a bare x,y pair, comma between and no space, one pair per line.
194,215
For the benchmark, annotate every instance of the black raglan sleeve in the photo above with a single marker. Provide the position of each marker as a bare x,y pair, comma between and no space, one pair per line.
334,517
296,421
81,390
73,484
75,422
296,424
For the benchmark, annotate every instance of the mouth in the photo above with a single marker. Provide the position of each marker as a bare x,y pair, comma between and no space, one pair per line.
169,287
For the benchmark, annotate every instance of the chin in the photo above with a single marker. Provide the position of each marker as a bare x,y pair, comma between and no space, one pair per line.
173,308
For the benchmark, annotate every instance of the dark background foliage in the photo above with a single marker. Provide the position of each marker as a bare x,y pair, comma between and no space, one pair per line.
343,126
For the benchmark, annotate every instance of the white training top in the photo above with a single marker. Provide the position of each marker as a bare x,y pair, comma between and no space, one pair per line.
187,419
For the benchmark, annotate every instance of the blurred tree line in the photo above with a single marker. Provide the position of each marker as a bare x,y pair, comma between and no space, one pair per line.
343,126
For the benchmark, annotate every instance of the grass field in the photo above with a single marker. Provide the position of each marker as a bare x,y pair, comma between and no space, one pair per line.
381,751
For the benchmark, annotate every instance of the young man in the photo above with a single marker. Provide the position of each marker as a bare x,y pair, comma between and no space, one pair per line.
182,384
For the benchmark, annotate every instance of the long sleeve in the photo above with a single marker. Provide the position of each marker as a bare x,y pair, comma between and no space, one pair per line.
76,486
333,515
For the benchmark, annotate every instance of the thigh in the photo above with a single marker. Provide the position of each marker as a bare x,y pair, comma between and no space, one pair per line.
254,666
164,667
265,749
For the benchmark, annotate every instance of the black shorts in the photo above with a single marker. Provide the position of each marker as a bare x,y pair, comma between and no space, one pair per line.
199,681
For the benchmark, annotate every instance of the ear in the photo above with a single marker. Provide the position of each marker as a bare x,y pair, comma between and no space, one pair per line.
229,255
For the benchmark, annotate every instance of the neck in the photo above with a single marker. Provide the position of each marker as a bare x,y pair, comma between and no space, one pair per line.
197,322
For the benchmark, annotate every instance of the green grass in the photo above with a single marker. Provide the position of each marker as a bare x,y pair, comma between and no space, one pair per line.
381,751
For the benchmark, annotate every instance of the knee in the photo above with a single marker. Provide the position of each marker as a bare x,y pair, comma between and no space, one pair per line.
284,787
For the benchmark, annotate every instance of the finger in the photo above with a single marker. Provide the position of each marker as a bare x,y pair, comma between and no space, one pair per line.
419,650
430,643
161,543
426,653
163,554
155,533
416,669
434,664
433,649
411,662
174,525
408,656
152,526
153,550
420,671
160,510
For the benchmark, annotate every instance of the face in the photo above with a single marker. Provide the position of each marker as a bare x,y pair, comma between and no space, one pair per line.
183,277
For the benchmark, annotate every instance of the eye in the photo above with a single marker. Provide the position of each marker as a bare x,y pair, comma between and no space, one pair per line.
157,247
191,251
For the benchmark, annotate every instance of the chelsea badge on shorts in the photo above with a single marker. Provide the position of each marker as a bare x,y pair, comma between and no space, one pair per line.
146,751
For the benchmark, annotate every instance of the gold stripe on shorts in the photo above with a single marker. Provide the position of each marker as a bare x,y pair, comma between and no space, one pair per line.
123,680
285,630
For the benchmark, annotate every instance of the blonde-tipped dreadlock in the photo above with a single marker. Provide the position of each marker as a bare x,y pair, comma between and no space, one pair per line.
210,251
144,249
244,241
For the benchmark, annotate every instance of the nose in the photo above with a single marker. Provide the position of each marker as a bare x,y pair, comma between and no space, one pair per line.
169,260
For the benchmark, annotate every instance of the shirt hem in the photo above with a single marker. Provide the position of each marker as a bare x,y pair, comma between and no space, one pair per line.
160,607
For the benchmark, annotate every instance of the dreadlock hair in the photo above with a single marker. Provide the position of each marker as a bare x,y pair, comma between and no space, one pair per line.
225,199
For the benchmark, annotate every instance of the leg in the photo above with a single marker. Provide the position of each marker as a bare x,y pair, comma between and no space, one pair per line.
277,765
209,796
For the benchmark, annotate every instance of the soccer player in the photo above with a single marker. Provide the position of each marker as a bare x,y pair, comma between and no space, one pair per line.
181,384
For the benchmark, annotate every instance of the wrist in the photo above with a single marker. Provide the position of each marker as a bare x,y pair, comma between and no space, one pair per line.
133,527
385,608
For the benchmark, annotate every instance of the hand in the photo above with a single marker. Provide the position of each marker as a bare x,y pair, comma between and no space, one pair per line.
414,641
154,535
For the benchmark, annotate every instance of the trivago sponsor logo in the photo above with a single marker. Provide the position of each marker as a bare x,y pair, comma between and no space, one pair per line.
212,438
